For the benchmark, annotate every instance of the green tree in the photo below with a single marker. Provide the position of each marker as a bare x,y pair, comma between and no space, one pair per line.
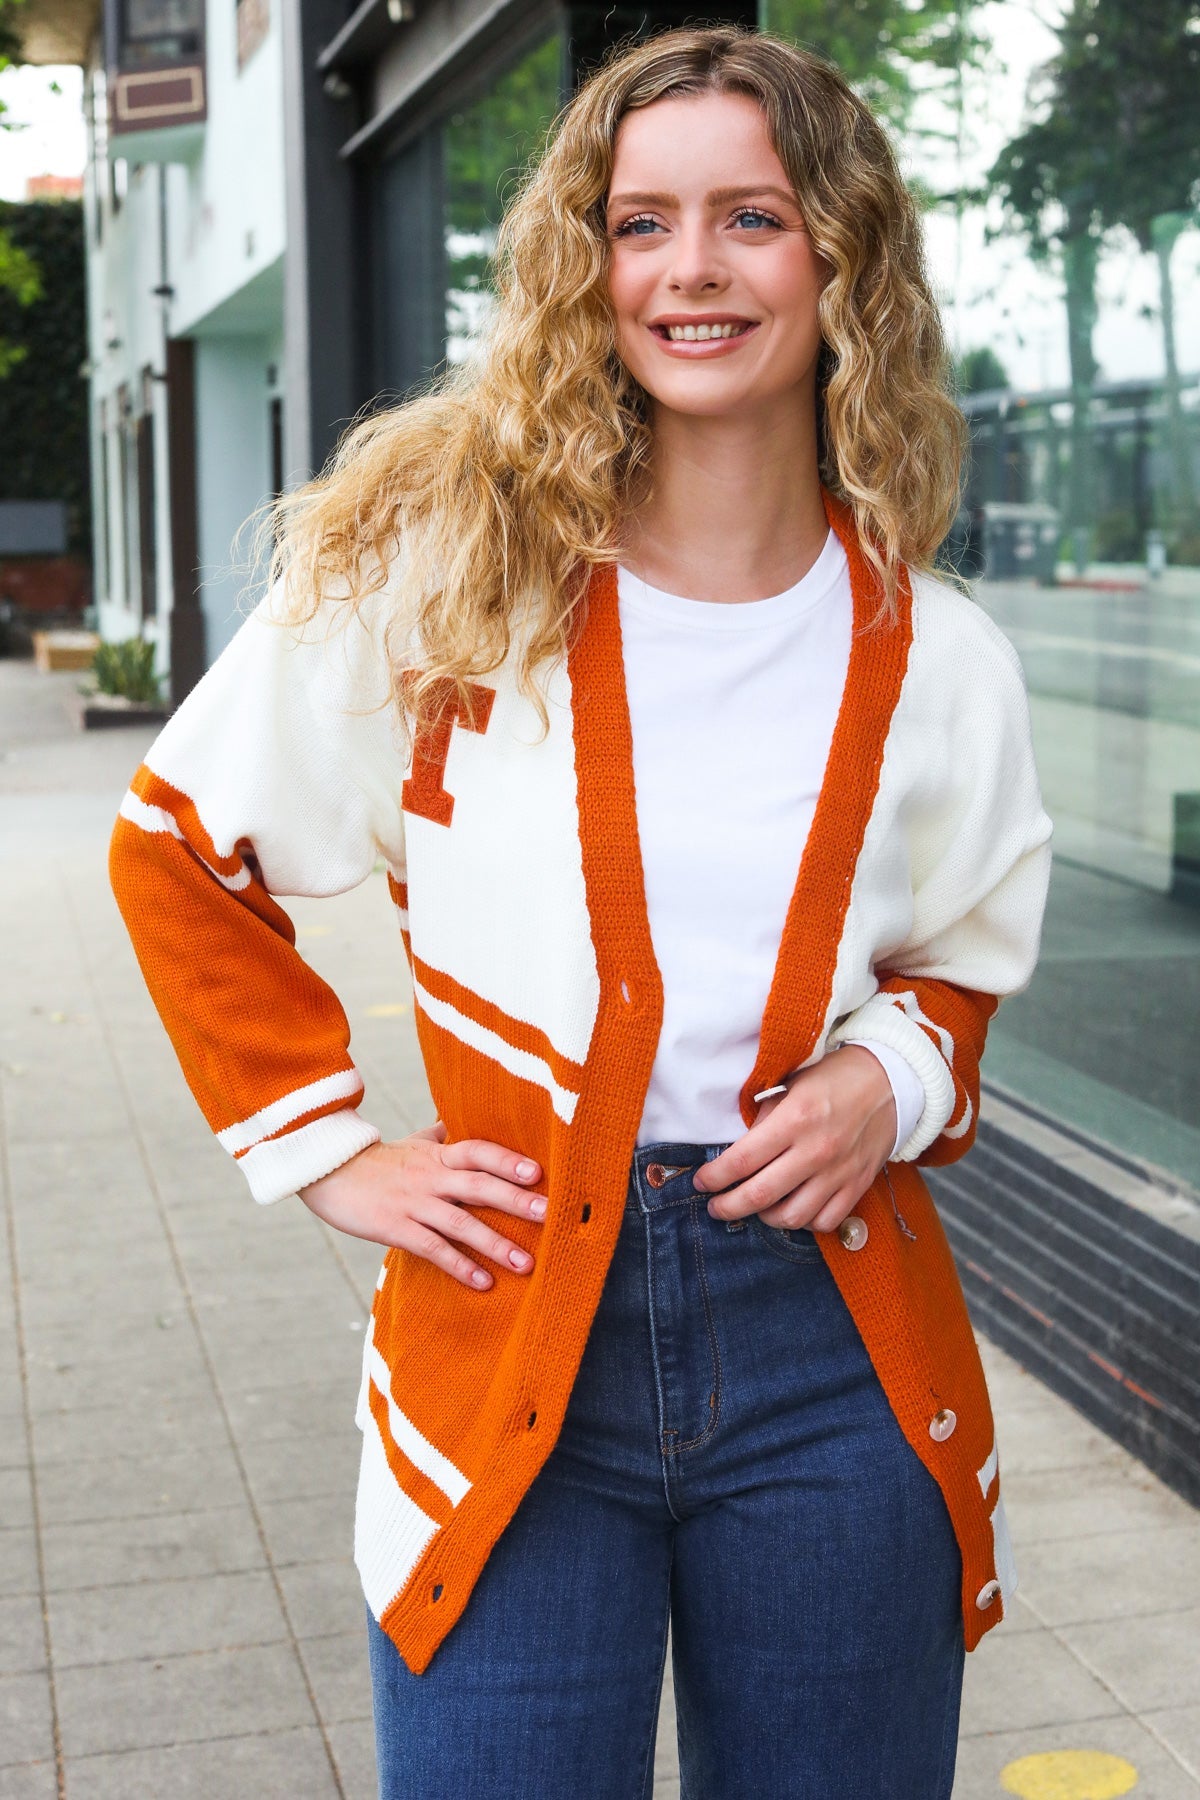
44,400
1050,180
1144,98
880,44
18,272
980,371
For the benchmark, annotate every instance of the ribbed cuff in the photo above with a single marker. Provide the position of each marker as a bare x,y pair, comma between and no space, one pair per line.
881,1019
284,1165
908,1090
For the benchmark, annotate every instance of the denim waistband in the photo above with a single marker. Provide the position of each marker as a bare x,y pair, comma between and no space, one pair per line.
661,1174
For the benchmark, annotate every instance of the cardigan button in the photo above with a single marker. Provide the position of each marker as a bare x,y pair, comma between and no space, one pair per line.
988,1595
853,1232
942,1424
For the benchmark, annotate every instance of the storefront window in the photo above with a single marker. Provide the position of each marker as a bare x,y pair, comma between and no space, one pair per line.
485,148
1058,164
440,200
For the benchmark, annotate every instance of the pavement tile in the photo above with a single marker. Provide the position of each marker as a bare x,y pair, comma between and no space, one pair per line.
18,1562
324,1598
176,1376
339,1673
1050,1435
1122,1496
171,1700
16,1499
1179,1728
268,1366
1160,1777
105,1552
289,1411
29,1781
14,1448
353,1747
56,1297
308,1530
82,1435
291,1468
1148,1662
285,1765
26,1732
1117,1574
164,1618
121,1328
122,1486
1027,1681
22,1634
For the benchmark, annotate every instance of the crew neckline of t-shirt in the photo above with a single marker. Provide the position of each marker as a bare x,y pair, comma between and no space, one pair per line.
742,615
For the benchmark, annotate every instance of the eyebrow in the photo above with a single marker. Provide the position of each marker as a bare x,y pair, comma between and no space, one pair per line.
718,197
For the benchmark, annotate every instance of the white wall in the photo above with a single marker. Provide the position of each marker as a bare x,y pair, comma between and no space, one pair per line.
233,469
212,232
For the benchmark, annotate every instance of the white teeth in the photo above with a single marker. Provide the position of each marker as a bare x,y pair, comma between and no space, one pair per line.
700,334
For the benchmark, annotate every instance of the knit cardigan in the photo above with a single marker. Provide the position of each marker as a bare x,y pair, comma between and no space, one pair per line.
514,868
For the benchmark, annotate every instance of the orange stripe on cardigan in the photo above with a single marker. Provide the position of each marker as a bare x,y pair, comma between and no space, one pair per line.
156,792
424,1493
516,1032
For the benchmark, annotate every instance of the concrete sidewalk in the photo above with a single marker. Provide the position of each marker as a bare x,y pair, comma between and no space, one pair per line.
177,1379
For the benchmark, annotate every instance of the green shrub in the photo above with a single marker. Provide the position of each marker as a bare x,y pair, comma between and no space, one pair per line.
127,669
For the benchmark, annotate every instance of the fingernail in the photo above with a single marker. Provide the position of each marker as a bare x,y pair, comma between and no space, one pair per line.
537,1207
481,1278
526,1171
518,1259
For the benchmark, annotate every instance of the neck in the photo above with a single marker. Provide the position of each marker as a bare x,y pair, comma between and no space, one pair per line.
735,511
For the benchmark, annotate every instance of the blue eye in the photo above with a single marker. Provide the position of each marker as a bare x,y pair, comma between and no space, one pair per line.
755,216
641,225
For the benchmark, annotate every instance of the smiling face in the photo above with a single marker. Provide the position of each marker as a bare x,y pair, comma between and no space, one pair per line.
713,277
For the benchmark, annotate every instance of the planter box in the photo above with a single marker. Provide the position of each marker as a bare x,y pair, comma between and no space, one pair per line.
100,712
64,649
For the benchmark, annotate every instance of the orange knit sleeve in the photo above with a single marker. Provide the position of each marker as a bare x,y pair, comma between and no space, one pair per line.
276,776
263,1042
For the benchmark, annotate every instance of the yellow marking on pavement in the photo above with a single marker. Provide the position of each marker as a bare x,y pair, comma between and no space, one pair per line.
314,931
394,1009
1069,1775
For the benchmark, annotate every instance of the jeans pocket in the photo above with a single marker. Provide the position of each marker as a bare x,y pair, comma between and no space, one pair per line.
794,1244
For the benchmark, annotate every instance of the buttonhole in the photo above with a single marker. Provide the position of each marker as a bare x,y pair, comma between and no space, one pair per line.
531,1421
625,992
437,1592
587,1211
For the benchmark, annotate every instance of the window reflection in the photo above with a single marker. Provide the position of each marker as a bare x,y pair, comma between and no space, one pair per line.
485,147
1058,165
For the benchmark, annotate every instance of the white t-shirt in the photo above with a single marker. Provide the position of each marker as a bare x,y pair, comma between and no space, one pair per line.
732,708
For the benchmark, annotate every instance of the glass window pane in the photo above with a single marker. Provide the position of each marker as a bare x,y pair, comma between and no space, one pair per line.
1058,161
485,147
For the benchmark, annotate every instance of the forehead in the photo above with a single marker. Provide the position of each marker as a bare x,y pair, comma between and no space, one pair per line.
697,140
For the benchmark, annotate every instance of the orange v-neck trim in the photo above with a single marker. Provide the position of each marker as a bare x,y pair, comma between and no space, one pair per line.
798,999
802,980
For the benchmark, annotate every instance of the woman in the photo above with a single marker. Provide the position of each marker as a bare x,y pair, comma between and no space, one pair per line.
623,651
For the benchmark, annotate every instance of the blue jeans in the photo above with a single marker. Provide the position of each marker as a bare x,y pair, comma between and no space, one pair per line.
728,1464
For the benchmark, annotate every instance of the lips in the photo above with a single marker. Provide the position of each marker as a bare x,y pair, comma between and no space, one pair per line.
702,335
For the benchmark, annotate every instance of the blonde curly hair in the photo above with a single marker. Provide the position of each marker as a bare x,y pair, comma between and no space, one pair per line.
495,492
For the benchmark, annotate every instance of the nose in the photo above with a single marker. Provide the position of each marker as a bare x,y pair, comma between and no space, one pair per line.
697,266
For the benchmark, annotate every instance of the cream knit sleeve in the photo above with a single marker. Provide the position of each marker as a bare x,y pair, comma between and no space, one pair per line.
978,850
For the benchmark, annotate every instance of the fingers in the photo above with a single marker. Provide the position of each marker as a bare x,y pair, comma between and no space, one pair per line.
493,1159
462,1227
473,1187
423,1241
